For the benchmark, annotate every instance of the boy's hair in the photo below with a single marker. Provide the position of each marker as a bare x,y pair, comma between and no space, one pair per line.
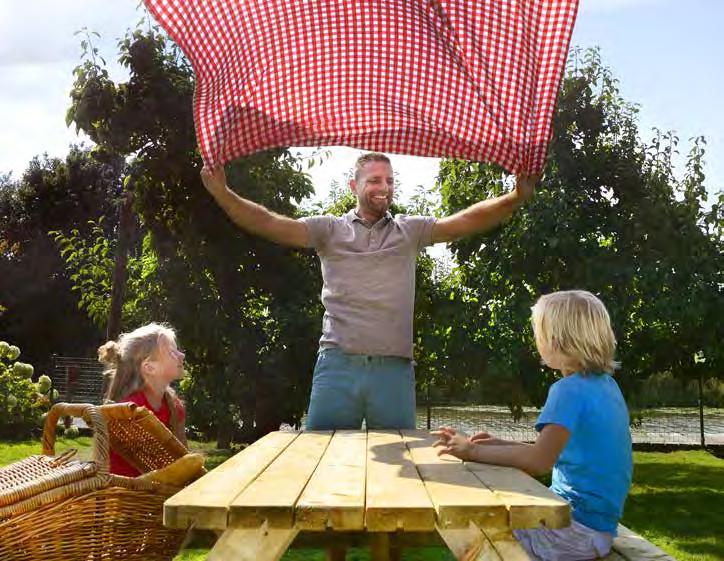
366,158
576,324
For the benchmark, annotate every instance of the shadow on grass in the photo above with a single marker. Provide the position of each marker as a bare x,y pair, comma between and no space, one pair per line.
203,540
421,554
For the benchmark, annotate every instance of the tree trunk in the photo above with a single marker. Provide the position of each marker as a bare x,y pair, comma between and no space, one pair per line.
125,225
267,413
223,436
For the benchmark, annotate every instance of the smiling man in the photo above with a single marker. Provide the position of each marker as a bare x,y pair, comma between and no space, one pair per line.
364,369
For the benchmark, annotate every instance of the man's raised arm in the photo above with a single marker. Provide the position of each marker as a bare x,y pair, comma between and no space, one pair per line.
485,214
253,217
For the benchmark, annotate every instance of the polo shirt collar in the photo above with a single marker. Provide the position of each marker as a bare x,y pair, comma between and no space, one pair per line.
352,216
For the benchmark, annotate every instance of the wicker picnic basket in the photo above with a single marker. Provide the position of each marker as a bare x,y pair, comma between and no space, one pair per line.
58,508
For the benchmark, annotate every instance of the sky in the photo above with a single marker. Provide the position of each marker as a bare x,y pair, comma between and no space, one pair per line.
667,54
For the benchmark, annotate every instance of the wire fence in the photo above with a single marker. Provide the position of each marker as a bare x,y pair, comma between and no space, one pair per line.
80,379
667,426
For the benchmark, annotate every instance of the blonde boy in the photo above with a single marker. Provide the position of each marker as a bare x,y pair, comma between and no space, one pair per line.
583,430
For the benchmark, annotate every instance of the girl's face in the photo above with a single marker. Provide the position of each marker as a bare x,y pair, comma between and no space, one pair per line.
167,360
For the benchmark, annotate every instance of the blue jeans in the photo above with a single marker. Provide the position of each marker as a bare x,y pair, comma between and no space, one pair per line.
348,388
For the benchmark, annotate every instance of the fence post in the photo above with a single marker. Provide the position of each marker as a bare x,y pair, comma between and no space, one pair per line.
427,405
701,412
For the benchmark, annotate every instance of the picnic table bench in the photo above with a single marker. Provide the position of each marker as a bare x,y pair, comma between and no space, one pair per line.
385,490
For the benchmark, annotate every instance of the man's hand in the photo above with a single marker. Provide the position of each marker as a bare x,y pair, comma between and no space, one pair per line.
524,186
214,179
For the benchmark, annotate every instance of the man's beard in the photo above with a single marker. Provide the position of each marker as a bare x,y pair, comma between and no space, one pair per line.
378,205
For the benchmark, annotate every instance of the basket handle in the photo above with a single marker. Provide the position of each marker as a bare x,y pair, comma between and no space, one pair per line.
92,416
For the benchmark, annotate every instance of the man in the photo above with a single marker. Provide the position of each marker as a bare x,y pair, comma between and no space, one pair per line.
364,368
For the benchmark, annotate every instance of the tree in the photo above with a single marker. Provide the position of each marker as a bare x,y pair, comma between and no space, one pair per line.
243,306
610,217
37,308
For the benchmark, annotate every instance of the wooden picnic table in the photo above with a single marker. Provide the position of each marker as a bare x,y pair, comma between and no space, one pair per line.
384,489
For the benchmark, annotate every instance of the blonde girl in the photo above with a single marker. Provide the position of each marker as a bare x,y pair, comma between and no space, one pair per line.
140,367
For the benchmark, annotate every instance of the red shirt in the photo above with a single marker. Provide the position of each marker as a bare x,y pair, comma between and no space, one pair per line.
118,465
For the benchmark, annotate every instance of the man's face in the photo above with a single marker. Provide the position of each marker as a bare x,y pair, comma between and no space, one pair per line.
375,188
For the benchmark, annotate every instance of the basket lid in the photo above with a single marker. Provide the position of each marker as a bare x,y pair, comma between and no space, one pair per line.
37,474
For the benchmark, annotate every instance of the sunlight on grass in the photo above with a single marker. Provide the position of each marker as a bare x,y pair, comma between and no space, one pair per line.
677,502
14,451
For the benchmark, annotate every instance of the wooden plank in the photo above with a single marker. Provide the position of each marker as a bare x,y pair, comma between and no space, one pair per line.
252,544
457,495
469,544
396,496
529,502
380,546
335,494
613,556
506,545
633,547
205,503
272,495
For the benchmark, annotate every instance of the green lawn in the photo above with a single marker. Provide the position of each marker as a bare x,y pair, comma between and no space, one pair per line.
677,502
17,450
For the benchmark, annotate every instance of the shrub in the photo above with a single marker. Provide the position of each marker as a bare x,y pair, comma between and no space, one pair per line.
22,402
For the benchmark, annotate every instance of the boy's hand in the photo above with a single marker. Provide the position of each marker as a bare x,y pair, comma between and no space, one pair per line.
447,432
458,445
477,438
214,179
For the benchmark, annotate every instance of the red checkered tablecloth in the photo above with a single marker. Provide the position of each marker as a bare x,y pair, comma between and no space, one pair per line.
472,79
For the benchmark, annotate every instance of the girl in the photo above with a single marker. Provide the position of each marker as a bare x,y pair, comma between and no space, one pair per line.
141,365
583,430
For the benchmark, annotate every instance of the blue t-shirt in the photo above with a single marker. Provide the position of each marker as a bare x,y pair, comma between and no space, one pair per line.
593,472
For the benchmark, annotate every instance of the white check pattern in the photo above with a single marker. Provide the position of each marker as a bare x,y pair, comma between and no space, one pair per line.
471,79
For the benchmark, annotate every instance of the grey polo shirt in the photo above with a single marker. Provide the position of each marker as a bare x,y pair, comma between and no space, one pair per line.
369,280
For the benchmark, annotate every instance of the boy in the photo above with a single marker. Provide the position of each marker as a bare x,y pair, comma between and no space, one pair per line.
583,430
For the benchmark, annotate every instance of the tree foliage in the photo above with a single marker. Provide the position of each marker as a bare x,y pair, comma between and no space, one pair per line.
37,308
244,307
610,216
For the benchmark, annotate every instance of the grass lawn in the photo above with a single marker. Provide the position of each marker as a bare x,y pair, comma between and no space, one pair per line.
676,501
17,450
